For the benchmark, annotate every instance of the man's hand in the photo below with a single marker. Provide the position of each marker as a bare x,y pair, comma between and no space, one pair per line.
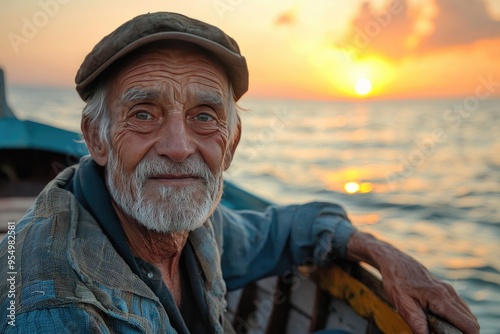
410,286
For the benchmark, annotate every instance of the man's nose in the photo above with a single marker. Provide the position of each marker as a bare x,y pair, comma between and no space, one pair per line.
175,140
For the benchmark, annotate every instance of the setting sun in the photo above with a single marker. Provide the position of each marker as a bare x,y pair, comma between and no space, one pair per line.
363,86
351,187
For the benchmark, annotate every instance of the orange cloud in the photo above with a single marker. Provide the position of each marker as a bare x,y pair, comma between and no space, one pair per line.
287,18
461,23
400,30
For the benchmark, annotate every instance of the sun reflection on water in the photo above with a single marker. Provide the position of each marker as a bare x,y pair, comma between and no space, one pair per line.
353,187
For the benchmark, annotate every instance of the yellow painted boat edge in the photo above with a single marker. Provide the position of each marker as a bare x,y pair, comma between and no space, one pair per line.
362,300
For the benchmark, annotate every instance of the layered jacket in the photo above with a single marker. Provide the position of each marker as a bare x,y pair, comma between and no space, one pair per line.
67,277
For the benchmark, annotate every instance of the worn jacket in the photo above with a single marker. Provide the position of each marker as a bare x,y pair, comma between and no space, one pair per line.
66,277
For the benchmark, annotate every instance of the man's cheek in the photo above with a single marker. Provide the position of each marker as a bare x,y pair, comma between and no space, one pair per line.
213,151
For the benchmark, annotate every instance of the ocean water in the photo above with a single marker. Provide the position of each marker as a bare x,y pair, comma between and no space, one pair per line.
423,175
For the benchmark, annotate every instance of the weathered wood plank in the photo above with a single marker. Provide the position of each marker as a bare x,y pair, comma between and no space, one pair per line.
341,316
12,209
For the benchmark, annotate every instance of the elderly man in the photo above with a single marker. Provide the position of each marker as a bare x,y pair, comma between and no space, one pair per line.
133,240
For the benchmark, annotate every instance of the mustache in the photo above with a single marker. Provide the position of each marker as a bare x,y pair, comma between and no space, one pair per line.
193,165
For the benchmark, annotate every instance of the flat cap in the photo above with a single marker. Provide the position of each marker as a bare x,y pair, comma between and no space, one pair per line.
162,26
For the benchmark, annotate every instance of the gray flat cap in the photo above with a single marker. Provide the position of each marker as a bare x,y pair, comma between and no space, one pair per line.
161,26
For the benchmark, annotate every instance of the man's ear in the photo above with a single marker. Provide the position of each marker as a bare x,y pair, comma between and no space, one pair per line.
231,148
98,150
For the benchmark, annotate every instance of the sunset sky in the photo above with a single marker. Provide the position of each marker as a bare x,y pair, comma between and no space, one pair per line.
302,49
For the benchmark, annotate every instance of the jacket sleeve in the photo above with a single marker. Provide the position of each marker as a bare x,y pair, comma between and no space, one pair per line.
260,244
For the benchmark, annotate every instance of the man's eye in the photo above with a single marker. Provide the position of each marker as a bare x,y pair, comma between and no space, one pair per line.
143,116
204,118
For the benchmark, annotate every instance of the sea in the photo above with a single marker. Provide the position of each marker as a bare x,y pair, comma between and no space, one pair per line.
423,175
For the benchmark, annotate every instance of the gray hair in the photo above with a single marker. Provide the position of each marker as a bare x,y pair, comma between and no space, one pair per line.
97,113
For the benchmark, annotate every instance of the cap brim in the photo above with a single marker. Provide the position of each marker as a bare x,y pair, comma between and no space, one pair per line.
235,63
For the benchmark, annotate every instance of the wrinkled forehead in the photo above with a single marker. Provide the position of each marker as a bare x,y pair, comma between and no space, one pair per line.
181,56
159,66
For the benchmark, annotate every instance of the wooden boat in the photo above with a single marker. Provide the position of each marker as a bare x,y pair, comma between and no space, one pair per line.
32,153
346,297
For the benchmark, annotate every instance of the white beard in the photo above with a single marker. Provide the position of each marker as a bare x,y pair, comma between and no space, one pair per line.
170,209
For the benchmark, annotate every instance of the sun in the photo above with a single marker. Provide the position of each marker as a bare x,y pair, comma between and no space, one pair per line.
363,86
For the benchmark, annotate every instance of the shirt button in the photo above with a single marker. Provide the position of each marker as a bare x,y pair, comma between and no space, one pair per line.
150,275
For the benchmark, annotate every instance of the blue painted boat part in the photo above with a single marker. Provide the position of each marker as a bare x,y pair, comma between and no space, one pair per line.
18,134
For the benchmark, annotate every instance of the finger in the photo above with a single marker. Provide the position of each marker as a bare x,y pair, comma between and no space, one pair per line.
454,296
413,314
457,315
466,323
453,309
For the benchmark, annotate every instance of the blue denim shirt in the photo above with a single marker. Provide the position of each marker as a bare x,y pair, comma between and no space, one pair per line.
68,278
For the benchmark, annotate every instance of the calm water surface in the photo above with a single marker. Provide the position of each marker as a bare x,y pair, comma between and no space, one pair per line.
419,174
